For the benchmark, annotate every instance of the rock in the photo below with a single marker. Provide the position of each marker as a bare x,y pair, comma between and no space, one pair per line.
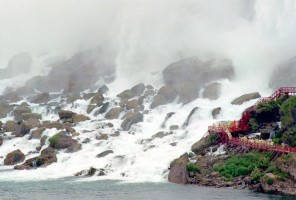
49,125
43,140
160,134
216,112
178,170
10,126
104,153
149,93
134,118
65,114
113,113
188,76
97,100
79,118
72,97
132,104
90,108
33,122
14,157
75,74
186,123
27,116
11,95
87,96
62,141
86,140
104,108
36,134
165,95
91,171
41,98
5,108
174,127
102,137
149,87
22,130
1,140
246,97
103,90
17,65
17,113
199,148
167,117
138,90
212,91
47,157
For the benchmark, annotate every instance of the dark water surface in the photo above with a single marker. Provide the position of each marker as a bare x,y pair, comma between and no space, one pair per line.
69,189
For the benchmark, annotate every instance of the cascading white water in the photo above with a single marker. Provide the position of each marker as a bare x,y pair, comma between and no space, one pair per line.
147,36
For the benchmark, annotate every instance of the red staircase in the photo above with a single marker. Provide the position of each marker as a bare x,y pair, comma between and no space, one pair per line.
243,126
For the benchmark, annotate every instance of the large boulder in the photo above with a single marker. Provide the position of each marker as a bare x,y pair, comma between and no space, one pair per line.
199,148
71,117
75,74
5,108
246,97
14,157
36,134
17,65
113,113
1,140
188,76
131,119
97,100
104,153
19,111
212,91
178,170
283,74
165,95
62,141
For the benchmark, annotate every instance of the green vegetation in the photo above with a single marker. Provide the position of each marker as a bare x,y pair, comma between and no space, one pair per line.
269,181
268,106
212,138
243,165
192,168
287,110
54,140
274,170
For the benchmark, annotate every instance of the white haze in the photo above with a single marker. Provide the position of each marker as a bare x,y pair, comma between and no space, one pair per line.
146,36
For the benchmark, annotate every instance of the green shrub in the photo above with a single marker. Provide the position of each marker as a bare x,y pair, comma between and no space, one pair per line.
192,168
54,140
286,111
213,138
256,174
276,171
242,165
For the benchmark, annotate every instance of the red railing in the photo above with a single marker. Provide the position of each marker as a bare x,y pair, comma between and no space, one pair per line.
243,126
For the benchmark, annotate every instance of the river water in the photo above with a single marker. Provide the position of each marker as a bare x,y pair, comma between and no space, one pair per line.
70,188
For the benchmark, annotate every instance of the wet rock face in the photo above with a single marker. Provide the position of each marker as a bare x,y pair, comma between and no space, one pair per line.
18,64
104,153
193,111
22,130
71,117
14,157
113,113
188,76
178,170
137,90
246,97
10,126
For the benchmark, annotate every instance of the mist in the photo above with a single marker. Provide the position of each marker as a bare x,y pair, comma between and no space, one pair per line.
146,36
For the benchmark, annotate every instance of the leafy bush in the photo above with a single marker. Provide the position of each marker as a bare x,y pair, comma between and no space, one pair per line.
242,165
287,110
192,168
256,175
213,138
269,181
